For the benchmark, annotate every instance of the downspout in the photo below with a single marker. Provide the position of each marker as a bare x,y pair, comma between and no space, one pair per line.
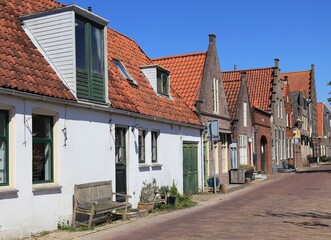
202,162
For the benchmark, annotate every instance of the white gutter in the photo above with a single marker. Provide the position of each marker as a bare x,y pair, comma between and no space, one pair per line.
89,105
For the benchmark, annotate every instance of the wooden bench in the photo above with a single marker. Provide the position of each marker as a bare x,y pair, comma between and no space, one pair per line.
96,198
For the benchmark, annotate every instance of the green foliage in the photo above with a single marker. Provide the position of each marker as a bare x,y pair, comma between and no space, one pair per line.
173,191
185,201
323,158
246,167
64,226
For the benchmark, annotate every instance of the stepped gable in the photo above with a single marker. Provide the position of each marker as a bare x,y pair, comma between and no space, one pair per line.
298,81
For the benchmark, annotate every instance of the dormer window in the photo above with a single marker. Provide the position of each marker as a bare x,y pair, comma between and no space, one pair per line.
162,82
73,42
89,60
159,78
124,72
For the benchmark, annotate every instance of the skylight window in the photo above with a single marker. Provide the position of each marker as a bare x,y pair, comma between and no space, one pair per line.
124,72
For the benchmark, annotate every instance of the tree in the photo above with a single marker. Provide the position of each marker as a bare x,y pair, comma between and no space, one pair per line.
329,99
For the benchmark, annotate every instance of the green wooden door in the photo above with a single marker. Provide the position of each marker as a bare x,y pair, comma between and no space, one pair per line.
190,167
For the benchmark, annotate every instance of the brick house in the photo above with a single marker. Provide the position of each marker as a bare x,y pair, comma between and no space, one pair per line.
197,79
265,94
304,105
291,145
324,129
242,124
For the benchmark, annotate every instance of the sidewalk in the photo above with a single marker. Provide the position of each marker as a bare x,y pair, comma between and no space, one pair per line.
202,199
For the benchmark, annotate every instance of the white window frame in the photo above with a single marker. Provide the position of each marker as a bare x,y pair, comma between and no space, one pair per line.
215,95
245,113
243,149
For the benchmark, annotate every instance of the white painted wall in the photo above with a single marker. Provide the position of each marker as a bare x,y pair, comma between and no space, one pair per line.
88,156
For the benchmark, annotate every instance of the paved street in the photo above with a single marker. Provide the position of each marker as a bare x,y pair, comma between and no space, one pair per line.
291,206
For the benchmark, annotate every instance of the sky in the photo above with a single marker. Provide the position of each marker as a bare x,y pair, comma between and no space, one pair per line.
249,33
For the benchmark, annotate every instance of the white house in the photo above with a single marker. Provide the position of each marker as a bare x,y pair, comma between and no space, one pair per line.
80,102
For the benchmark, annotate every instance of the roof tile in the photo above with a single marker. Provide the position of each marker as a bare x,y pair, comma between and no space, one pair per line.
23,67
185,74
259,82
298,81
232,89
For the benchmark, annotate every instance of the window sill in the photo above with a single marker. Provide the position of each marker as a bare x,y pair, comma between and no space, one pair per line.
46,187
7,190
157,165
144,165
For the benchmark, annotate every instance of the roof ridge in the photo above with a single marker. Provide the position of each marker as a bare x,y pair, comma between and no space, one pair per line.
180,55
300,71
250,69
131,39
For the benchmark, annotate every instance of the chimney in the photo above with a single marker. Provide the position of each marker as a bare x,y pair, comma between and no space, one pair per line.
276,62
212,38
89,9
285,80
242,75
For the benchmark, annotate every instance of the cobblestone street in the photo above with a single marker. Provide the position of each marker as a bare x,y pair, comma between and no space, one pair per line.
290,206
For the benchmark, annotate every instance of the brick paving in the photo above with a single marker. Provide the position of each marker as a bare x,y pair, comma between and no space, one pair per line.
287,206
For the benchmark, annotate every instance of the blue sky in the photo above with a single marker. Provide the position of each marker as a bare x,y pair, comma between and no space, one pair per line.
250,33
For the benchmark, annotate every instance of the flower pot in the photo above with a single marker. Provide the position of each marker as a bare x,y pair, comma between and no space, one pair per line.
171,201
146,206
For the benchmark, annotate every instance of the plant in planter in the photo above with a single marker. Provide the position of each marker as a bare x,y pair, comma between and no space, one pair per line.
164,190
147,195
249,170
173,194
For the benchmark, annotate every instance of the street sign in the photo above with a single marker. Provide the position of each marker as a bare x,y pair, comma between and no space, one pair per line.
213,130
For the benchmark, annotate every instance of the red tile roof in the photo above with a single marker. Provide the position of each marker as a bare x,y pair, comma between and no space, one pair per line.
259,82
142,99
298,81
22,66
185,74
232,90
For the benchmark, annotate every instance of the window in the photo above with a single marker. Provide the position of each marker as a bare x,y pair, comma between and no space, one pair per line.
89,60
281,109
215,95
278,108
163,82
42,149
245,114
124,72
243,149
141,146
287,122
120,146
4,166
154,146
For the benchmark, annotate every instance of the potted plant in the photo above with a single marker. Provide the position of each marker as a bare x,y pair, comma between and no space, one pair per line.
249,170
173,194
147,195
164,190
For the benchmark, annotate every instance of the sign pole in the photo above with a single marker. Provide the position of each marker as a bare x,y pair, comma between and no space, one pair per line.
213,124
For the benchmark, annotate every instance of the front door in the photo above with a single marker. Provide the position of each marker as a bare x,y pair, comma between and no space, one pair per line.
263,144
190,168
120,160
